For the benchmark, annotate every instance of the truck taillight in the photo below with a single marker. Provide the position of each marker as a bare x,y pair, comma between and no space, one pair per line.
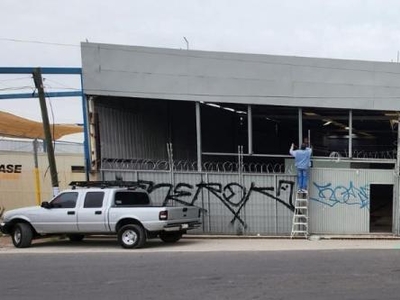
163,215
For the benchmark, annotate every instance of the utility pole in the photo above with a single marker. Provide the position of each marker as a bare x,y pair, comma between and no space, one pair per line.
36,171
37,78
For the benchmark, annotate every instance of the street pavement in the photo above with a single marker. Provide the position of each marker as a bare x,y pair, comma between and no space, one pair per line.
206,244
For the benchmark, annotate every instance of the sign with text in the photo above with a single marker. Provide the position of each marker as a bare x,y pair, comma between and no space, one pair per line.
10,171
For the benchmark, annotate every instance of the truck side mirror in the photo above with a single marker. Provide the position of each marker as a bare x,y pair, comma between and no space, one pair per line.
45,204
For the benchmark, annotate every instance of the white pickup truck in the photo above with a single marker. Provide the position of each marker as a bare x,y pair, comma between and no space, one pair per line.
99,208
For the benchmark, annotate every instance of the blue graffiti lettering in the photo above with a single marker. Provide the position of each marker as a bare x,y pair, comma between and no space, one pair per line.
333,195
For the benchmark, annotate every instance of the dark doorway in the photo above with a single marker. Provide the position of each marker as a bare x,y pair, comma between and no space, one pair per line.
381,208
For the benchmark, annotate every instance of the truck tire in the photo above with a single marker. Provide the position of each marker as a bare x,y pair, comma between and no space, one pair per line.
131,236
22,235
75,237
170,237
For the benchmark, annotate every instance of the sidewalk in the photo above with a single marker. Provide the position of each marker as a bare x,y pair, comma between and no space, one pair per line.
195,243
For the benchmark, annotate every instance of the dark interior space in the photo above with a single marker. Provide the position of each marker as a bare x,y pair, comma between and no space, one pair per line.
373,132
274,129
149,124
381,207
223,127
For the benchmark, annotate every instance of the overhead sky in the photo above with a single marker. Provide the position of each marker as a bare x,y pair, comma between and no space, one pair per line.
48,33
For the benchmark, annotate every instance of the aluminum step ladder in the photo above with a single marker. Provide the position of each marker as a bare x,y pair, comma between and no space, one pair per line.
300,215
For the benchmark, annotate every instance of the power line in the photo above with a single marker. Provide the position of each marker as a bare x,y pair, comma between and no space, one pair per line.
60,83
38,42
17,88
15,79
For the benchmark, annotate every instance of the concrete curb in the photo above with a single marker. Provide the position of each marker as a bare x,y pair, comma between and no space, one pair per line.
310,237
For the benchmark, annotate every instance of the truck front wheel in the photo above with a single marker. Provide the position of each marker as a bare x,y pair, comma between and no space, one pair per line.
22,235
170,237
131,236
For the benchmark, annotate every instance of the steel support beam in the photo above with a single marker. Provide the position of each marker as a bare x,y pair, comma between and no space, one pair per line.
48,70
36,95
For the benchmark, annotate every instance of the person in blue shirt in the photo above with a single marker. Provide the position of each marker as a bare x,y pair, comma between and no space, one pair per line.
302,158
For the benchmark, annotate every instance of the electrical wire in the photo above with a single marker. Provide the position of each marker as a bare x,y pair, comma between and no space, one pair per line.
63,86
38,42
15,79
16,88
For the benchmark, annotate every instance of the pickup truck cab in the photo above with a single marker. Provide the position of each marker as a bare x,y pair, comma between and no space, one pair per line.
99,208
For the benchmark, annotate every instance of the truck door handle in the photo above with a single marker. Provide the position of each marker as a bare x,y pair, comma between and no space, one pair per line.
70,213
97,212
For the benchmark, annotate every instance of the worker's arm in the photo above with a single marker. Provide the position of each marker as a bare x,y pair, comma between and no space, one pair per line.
291,151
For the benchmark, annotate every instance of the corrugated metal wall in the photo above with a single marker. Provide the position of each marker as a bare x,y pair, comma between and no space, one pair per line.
263,204
340,199
124,135
140,129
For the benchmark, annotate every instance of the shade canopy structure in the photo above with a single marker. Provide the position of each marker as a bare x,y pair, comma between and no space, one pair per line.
17,127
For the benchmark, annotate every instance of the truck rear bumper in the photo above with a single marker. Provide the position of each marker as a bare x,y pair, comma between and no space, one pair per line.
182,226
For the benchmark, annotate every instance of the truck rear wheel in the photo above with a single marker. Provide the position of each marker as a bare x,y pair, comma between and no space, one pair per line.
170,237
131,236
22,235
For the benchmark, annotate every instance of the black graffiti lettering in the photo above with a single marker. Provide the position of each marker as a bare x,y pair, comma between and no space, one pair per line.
245,199
146,185
229,193
216,190
233,195
283,185
182,193
281,201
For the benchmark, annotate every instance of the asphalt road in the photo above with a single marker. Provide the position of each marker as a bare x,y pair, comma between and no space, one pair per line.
179,274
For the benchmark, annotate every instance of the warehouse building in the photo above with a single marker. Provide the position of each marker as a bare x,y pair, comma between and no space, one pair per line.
213,129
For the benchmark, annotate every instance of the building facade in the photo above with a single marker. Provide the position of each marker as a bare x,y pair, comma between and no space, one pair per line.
213,129
24,185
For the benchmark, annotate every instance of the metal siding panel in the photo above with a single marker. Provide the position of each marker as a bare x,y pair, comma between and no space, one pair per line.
124,136
260,209
189,75
220,211
189,191
339,199
125,175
